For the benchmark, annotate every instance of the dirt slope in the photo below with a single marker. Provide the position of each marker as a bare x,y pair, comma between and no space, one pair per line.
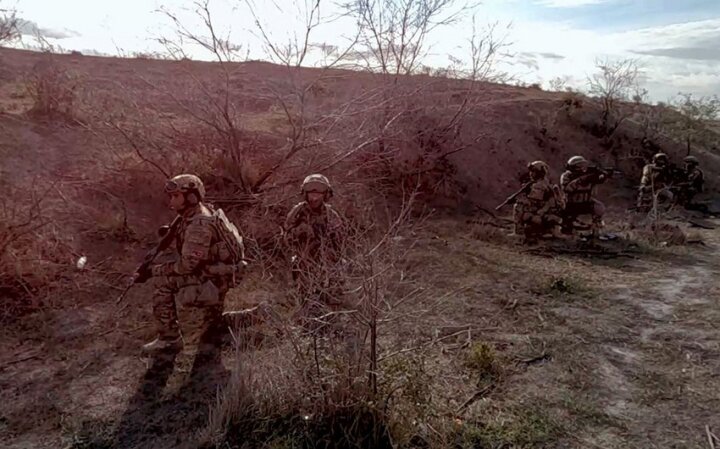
510,126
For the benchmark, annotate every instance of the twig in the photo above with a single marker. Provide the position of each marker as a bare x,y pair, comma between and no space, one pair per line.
19,360
711,437
539,358
474,398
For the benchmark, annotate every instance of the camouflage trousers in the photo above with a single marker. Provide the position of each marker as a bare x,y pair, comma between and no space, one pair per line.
529,221
207,294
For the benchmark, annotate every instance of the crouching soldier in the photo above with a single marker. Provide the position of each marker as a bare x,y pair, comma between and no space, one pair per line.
314,233
578,184
210,258
692,182
656,177
540,205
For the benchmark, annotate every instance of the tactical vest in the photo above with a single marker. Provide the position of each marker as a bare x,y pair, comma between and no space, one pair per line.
582,193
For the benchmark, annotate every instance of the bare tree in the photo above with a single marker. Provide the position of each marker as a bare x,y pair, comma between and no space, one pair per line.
9,22
612,84
695,113
394,33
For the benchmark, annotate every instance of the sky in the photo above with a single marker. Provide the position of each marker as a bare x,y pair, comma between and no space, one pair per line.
676,42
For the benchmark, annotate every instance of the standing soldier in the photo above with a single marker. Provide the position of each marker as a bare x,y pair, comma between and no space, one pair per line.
578,184
313,232
692,183
208,260
540,206
656,177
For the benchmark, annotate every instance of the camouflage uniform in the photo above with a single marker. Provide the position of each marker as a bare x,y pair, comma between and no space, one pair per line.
202,262
656,177
693,182
539,209
314,237
198,245
578,189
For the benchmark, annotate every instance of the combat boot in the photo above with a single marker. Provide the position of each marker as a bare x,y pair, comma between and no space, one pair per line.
558,234
161,344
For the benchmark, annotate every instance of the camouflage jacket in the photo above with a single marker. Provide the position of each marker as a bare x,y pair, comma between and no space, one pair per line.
310,233
580,191
197,243
695,179
657,176
542,198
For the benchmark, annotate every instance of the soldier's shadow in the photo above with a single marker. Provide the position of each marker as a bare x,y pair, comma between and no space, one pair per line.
155,420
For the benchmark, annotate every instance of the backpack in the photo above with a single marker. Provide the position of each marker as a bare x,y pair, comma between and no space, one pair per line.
230,236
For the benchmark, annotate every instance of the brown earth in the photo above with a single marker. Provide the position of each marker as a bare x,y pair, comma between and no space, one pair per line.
619,353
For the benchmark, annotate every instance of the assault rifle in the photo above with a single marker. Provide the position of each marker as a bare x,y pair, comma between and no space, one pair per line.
167,233
511,199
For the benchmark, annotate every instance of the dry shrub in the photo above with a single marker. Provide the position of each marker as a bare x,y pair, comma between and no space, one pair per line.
33,259
572,101
53,91
350,382
306,401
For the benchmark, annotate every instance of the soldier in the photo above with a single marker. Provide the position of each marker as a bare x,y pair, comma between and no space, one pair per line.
578,184
656,177
202,263
313,232
692,183
540,206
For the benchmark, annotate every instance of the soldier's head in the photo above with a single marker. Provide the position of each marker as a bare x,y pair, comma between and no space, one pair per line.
538,170
660,159
184,191
691,162
316,189
577,164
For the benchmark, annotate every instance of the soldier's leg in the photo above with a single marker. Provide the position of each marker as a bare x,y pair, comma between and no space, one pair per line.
165,314
517,218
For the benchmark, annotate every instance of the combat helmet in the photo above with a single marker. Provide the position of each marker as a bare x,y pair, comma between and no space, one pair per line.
317,183
660,157
691,160
576,162
190,185
539,167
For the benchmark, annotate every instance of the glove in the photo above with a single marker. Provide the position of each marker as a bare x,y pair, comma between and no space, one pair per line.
142,275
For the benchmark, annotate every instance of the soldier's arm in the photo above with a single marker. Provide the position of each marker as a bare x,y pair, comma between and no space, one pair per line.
195,250
567,183
646,175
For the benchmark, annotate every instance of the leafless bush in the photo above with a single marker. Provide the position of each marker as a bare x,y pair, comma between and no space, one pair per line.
8,25
33,258
53,90
695,113
356,383
612,85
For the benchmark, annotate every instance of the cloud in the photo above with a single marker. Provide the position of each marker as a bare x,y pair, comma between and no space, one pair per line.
569,3
695,48
527,59
30,28
548,55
